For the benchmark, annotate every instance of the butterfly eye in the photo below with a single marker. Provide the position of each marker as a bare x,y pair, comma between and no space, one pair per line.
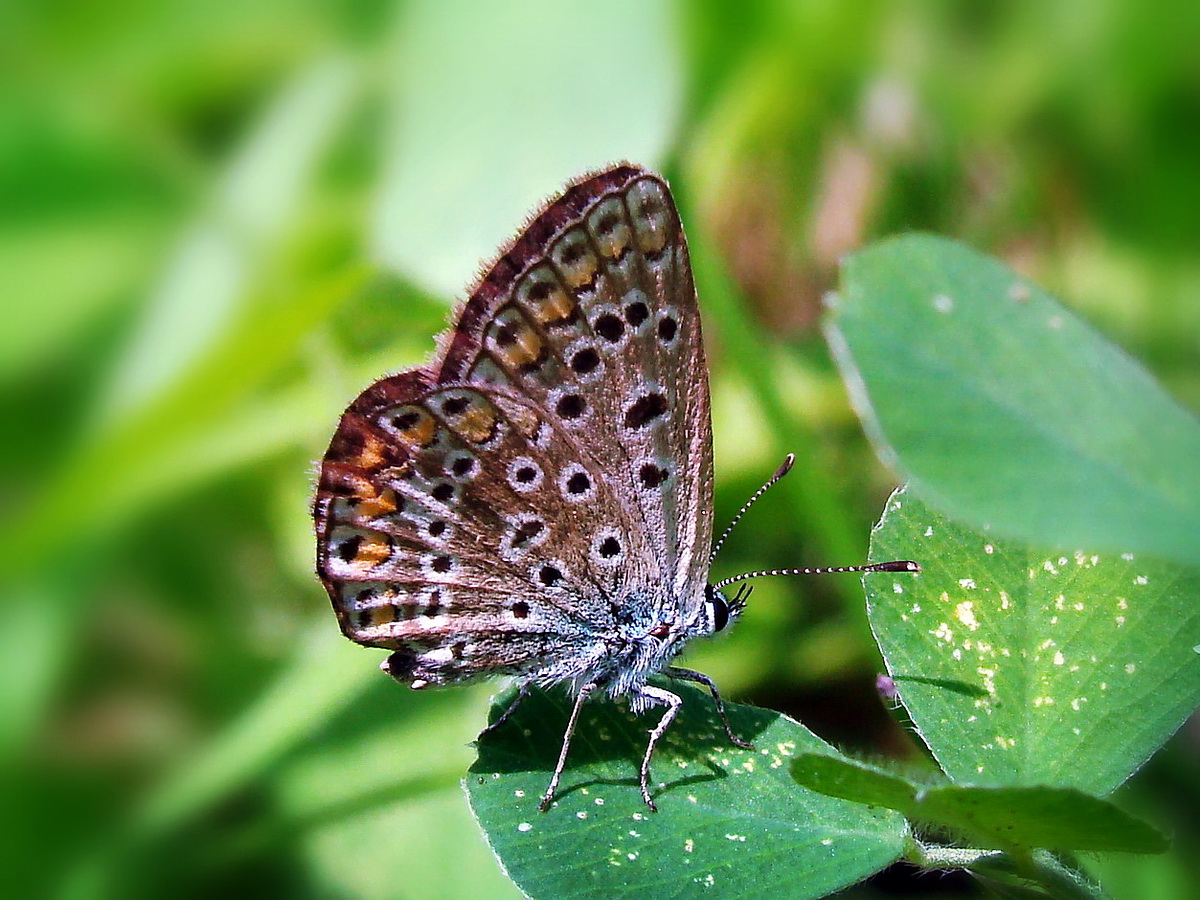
661,630
718,608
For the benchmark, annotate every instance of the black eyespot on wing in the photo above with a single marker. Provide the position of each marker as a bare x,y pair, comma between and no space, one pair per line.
520,610
636,313
407,420
526,474
442,492
609,327
645,409
572,254
606,223
651,476
441,564
570,406
506,335
667,329
348,549
578,483
550,575
462,466
585,361
527,531
437,528
453,406
609,547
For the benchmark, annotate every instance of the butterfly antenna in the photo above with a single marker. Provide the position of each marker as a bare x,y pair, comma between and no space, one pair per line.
771,482
899,565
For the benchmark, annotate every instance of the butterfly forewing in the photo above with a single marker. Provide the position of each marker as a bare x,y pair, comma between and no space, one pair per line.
601,326
492,513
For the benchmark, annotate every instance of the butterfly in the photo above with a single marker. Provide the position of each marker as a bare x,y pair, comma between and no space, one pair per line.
538,500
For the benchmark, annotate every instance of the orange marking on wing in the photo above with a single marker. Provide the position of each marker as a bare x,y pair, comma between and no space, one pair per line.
581,272
554,307
372,505
422,432
373,550
382,615
372,453
477,423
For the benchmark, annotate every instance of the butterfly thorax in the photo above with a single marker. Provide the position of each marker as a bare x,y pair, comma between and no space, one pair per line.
644,644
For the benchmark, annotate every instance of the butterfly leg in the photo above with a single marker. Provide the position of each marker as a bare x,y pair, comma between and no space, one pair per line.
701,678
584,693
522,693
655,696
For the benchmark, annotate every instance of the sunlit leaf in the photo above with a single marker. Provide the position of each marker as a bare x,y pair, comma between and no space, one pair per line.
1022,667
1001,406
729,821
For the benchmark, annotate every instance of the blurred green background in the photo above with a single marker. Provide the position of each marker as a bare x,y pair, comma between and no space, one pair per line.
220,221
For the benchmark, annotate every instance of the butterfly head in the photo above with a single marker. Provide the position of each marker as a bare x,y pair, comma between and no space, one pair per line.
718,610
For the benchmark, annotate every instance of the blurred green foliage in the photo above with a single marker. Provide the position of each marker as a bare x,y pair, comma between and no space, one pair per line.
220,221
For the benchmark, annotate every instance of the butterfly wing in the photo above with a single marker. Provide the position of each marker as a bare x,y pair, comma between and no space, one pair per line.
492,513
592,313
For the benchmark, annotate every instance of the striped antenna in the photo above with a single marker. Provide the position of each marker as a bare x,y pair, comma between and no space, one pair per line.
900,565
771,482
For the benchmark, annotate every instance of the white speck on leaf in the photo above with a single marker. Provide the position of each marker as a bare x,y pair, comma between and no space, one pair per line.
943,303
524,826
